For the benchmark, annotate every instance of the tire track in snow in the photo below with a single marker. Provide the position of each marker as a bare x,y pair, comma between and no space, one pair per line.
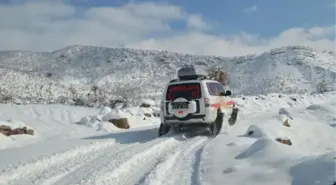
80,174
38,169
60,170
129,168
76,170
170,171
38,116
196,176
35,112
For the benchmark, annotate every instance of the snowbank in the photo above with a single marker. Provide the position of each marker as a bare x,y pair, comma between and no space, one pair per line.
136,116
265,150
256,157
314,170
305,130
147,102
17,132
265,103
49,122
6,142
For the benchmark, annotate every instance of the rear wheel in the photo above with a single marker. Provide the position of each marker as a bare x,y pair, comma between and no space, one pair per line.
216,126
164,129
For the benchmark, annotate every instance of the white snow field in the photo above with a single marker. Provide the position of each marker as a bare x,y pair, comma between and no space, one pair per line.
63,152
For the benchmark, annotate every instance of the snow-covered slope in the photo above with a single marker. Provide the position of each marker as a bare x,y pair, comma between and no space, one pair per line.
64,153
138,73
55,122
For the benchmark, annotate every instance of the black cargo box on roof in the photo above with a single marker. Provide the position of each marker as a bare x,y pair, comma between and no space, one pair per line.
189,72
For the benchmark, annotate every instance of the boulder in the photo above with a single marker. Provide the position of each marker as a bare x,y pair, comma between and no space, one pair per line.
147,115
120,123
146,103
30,132
8,131
5,130
284,141
286,124
156,111
18,131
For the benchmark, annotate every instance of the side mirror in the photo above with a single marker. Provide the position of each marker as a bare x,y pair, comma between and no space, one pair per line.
228,93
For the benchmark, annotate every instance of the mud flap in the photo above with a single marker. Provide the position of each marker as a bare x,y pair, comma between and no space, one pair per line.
233,117
216,127
164,129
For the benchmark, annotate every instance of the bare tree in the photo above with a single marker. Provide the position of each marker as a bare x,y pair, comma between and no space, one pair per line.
322,87
218,75
73,92
95,89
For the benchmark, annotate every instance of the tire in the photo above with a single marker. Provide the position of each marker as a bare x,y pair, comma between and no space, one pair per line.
216,126
233,117
164,129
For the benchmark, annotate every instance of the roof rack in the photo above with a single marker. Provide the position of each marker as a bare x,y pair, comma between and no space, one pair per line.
186,78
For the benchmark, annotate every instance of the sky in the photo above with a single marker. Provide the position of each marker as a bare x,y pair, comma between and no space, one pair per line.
213,27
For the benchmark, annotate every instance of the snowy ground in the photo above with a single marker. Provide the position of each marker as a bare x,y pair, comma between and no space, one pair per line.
63,152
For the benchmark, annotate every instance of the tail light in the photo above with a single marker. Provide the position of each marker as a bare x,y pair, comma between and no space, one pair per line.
207,102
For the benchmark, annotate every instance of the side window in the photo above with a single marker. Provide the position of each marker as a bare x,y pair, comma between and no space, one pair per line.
211,89
215,88
220,88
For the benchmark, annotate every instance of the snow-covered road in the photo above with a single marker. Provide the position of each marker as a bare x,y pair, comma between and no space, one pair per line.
138,157
150,160
101,160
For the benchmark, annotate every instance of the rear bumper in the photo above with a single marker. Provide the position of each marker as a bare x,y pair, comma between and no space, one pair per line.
189,117
188,126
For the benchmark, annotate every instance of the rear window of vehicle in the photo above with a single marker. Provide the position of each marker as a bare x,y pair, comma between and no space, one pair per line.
188,91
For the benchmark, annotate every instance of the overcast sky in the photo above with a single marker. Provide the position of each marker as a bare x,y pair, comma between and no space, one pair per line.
214,27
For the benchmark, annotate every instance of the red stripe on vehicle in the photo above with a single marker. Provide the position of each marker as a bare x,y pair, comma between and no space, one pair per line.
229,102
216,105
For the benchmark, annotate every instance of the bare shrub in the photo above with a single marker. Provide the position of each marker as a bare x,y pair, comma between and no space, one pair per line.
219,75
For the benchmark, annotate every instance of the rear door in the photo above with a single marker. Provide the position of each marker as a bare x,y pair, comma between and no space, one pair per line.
190,91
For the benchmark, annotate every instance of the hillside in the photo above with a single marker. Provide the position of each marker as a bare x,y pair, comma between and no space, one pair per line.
72,72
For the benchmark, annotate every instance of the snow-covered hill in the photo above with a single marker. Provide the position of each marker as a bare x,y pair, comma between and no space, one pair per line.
62,152
72,72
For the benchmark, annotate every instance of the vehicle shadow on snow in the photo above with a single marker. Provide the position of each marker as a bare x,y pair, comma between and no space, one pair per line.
134,136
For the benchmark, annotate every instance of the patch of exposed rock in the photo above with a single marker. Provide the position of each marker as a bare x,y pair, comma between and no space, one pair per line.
8,131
